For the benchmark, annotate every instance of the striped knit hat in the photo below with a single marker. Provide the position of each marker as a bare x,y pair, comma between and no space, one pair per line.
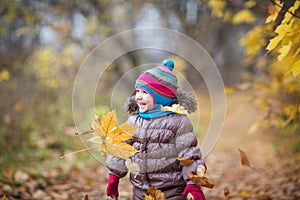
160,82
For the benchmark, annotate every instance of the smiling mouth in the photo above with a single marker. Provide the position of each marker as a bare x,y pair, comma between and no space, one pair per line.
142,106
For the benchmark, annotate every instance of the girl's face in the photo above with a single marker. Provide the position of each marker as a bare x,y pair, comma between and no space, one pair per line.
144,100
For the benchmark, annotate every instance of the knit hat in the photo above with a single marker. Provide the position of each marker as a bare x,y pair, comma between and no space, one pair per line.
160,82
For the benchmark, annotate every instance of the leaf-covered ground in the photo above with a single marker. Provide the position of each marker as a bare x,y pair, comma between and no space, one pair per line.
273,173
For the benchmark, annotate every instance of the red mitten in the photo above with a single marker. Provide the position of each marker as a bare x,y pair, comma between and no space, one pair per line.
112,186
195,190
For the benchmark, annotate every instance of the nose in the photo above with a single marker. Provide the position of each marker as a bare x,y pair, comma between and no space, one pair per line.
138,95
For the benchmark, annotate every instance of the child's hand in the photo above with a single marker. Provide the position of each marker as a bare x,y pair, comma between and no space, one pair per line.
201,170
193,192
112,187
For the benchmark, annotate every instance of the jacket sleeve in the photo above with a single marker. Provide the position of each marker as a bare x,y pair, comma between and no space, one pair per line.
186,145
116,166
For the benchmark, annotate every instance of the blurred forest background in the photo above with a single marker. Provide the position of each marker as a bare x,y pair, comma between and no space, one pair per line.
255,45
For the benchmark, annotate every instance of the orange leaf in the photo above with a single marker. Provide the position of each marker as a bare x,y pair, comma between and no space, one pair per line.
108,122
201,181
155,194
184,162
244,159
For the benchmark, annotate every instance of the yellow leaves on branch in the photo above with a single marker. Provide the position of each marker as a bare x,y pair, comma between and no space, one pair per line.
273,11
4,75
295,69
287,36
254,41
284,50
217,7
244,16
281,31
111,136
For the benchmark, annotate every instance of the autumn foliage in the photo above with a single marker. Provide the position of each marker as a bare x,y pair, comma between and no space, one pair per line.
111,137
272,50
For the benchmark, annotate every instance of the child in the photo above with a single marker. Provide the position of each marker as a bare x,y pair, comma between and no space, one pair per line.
160,138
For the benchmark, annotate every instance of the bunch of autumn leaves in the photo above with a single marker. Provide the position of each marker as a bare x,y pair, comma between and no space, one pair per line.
111,139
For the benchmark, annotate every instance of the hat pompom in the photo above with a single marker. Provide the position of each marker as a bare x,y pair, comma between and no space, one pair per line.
169,64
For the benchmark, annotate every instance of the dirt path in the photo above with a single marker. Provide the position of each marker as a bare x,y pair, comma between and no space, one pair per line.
268,177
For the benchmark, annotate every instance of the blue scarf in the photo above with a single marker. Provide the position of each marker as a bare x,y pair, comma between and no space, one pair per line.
154,113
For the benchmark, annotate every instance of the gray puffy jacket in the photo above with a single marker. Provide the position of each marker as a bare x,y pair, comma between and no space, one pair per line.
159,142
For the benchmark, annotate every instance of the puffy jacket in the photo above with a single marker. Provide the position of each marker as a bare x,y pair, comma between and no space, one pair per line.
160,141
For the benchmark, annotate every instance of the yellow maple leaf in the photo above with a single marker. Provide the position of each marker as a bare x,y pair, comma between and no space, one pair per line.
281,30
217,7
175,108
111,136
284,50
274,42
108,122
243,16
295,69
297,52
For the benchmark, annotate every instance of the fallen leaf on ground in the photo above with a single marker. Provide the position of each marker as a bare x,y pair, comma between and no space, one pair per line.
226,191
244,194
244,158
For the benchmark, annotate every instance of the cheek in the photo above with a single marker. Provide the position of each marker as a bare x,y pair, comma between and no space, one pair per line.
150,99
151,102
